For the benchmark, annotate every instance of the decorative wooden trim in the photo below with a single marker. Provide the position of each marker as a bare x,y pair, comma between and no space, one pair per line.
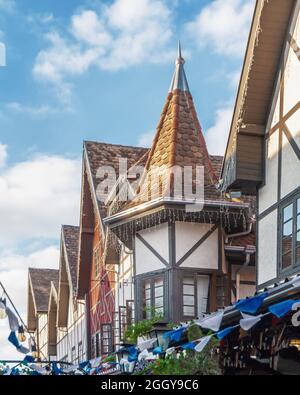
284,118
291,140
198,244
154,252
213,293
295,47
277,204
172,243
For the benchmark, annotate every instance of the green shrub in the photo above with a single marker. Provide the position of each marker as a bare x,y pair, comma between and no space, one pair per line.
140,328
189,362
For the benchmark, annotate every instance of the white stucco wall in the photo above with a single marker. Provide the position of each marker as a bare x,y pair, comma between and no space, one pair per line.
204,257
158,238
267,248
74,334
290,164
268,193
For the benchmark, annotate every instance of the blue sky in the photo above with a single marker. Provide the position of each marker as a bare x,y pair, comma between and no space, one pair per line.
97,70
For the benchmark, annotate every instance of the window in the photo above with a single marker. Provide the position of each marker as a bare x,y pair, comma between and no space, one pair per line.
195,291
126,314
107,339
148,299
290,235
189,297
159,296
153,297
97,261
96,345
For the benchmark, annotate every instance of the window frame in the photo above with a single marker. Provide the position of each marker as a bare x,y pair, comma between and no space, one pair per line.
152,279
96,345
97,261
294,201
110,346
194,275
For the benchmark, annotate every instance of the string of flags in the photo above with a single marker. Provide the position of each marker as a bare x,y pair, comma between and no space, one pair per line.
146,349
15,327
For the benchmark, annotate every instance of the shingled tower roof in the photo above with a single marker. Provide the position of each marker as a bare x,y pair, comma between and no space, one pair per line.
179,141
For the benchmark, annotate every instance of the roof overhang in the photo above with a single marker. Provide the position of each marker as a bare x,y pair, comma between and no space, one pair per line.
158,203
65,287
88,208
243,162
52,321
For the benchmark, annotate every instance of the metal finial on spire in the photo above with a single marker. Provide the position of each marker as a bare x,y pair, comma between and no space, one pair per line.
179,80
179,59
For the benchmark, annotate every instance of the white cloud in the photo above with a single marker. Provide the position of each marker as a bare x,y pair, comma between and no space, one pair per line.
216,137
35,112
13,274
88,28
126,33
3,155
146,139
36,196
223,26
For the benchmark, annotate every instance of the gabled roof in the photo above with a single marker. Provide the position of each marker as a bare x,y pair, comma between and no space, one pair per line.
70,237
68,268
95,156
40,285
103,154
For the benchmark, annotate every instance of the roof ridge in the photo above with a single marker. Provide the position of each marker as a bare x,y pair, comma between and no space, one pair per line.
115,145
70,226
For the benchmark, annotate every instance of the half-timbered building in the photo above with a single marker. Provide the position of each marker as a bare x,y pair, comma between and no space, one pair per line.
263,158
150,256
70,318
263,152
97,277
40,283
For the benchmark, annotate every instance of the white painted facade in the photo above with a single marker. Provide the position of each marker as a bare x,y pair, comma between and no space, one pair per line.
152,255
42,336
72,341
206,256
124,295
186,236
282,165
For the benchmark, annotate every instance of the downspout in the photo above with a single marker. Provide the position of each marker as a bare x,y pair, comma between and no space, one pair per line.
247,232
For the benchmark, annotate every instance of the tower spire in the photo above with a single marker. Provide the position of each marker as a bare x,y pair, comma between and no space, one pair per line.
179,80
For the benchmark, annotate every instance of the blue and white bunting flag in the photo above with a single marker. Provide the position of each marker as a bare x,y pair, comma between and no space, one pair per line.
251,305
212,322
248,321
12,320
282,308
203,343
225,332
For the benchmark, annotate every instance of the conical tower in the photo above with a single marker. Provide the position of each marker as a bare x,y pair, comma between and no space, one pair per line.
179,140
